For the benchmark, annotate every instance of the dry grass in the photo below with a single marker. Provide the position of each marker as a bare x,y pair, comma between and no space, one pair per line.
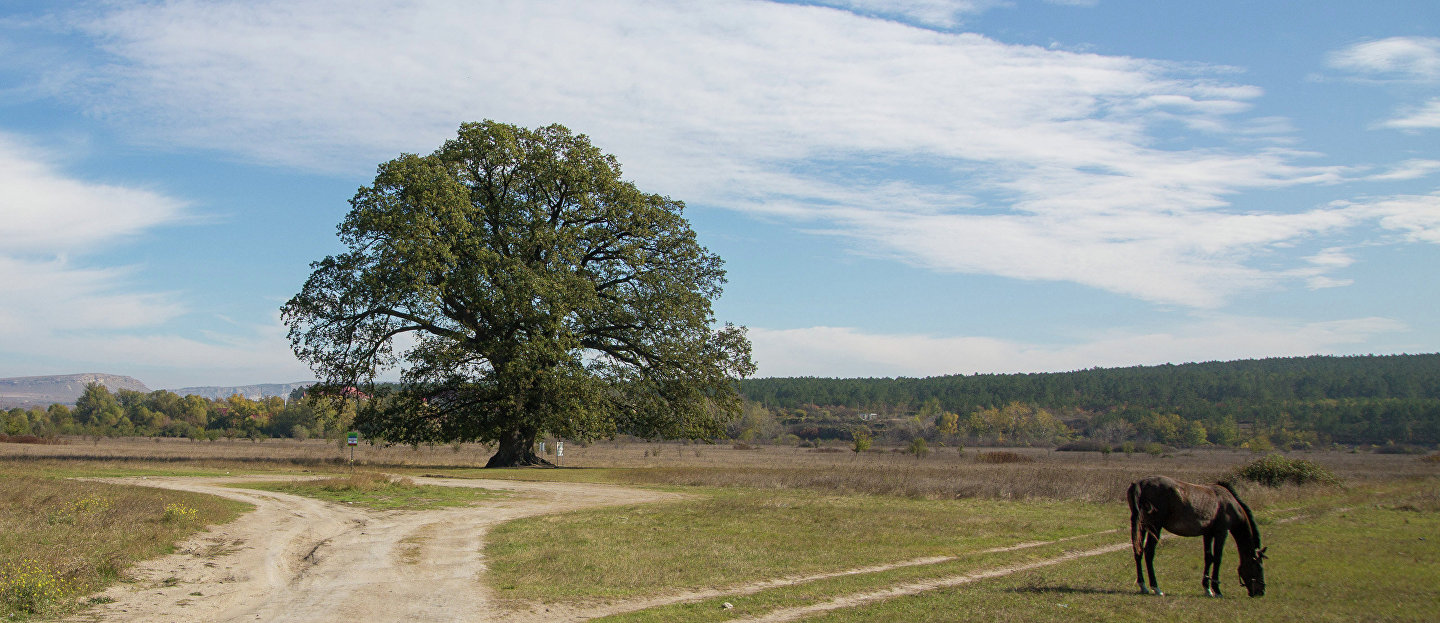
945,473
64,538
1000,457
29,439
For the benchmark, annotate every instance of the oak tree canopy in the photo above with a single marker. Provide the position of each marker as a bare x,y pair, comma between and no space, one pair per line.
522,288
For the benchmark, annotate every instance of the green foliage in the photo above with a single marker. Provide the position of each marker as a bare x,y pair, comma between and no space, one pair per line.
545,296
862,440
27,587
1351,400
918,448
1275,469
1017,423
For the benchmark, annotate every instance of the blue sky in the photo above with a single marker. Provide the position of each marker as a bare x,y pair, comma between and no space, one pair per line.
898,188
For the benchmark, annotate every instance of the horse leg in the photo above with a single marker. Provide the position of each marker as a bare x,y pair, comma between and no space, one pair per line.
1209,564
1137,535
1140,573
1215,568
1151,540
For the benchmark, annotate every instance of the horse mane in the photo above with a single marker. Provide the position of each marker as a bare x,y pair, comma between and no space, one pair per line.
1249,516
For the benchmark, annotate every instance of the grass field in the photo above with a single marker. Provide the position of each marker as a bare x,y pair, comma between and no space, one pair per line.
378,491
62,539
787,528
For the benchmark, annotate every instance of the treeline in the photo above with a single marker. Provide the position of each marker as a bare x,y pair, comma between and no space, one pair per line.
1289,402
161,413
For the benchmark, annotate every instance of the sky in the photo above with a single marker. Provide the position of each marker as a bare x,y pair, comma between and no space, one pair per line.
897,188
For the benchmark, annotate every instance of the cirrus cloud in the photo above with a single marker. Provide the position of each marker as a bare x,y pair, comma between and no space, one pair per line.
947,150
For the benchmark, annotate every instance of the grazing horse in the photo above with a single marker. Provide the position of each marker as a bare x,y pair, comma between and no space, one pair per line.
1195,510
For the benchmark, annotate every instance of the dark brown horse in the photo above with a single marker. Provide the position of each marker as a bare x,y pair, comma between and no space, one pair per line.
1207,511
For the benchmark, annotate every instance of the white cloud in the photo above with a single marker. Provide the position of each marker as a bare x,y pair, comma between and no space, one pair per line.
847,352
1407,170
57,305
932,13
47,212
1045,164
248,354
1402,58
1416,217
1423,117
49,219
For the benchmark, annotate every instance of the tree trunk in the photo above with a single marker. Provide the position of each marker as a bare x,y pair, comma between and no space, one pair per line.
517,449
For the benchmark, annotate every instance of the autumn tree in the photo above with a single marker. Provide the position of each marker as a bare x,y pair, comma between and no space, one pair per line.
521,288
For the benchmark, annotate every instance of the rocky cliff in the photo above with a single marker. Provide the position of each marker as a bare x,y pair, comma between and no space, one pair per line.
27,391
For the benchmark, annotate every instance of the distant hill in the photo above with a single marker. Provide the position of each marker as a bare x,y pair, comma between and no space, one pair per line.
27,391
253,392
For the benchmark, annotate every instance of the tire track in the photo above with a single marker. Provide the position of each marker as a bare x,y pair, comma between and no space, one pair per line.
912,588
299,559
562,613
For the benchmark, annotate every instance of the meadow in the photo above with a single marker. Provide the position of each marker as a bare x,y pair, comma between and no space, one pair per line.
786,533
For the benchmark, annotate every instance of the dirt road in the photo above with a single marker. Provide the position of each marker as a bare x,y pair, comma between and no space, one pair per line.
299,559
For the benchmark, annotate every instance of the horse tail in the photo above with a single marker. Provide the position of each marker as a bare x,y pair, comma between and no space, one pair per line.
1249,516
1133,497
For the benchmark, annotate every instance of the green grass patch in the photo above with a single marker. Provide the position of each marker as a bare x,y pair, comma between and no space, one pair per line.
61,539
752,604
378,491
734,536
1377,562
592,475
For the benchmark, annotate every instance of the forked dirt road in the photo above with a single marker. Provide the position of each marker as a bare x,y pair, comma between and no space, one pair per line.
300,559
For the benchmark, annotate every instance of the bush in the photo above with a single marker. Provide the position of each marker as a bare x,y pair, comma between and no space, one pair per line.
1003,456
1085,445
1275,470
1400,448
27,587
178,513
30,439
918,448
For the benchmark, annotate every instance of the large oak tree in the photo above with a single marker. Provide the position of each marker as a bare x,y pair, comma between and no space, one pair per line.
522,288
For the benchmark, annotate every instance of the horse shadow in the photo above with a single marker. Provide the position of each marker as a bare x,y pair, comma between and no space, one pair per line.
1068,590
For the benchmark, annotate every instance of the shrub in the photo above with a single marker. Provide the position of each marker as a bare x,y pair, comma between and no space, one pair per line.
918,448
30,439
1274,470
178,513
1084,445
28,588
1400,448
1002,456
828,450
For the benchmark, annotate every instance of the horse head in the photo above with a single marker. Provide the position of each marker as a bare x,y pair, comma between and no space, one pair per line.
1252,573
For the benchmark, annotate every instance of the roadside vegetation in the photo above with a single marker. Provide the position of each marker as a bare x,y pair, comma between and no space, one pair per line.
63,539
